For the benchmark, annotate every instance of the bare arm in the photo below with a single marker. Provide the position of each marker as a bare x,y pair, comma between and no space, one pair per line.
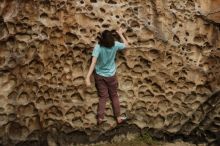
120,33
91,69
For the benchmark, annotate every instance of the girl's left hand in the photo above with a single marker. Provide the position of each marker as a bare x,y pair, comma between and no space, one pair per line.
88,82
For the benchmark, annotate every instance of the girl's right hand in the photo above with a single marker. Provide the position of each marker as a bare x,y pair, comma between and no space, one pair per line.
120,31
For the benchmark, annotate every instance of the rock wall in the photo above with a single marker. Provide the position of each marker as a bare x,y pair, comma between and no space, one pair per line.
168,77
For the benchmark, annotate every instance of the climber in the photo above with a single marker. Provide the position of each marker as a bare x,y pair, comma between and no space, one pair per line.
103,61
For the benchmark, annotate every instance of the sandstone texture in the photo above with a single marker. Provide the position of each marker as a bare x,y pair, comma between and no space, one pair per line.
210,9
168,77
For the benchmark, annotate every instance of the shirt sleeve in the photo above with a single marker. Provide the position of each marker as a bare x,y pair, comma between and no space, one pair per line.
96,51
119,45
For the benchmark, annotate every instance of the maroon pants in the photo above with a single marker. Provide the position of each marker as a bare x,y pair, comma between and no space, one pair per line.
107,88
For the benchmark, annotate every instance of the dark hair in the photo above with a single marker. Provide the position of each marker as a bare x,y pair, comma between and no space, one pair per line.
107,39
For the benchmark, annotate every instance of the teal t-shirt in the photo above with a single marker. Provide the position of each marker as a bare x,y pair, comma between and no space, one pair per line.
105,65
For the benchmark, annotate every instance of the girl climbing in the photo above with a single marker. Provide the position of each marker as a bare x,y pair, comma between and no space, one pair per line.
103,61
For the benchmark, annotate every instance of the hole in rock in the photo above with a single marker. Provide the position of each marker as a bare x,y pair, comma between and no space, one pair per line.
199,39
134,23
157,88
147,81
139,105
78,10
102,10
12,95
89,8
181,79
83,30
93,14
123,25
160,97
190,98
70,38
16,131
169,94
145,62
190,3
112,2
148,93
105,25
76,97
43,15
101,20
138,68
217,119
93,1
55,111
2,60
136,9
176,39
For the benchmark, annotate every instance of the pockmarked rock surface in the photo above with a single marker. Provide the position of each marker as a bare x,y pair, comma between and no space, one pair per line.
210,9
168,77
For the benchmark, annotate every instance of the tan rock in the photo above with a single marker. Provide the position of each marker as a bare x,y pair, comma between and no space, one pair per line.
168,77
